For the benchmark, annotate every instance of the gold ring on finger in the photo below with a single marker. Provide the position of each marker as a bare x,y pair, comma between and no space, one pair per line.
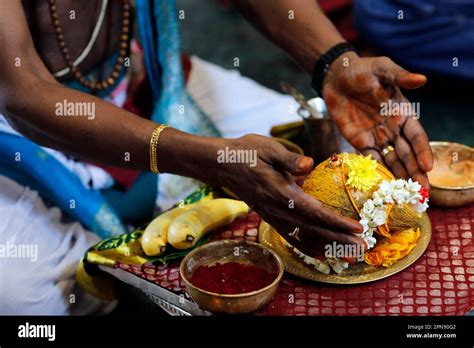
387,150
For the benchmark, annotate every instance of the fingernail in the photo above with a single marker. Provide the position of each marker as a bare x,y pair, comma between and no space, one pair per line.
359,229
302,163
415,75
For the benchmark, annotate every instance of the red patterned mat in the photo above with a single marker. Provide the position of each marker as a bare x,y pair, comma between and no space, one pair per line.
441,282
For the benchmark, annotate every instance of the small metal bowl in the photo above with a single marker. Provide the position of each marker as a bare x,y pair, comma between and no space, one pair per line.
448,158
232,251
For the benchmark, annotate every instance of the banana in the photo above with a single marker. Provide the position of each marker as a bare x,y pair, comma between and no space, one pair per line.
155,236
192,225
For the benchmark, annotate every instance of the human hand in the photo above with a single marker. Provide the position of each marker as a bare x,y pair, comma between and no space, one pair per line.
355,90
268,186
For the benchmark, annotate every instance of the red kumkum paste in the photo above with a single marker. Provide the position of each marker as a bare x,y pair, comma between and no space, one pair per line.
231,278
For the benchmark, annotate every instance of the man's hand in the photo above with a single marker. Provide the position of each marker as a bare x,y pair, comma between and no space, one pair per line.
269,188
355,90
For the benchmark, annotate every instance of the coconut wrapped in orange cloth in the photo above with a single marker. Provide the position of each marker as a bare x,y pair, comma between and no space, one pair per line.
389,209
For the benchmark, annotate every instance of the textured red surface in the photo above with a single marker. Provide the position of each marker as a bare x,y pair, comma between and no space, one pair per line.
441,282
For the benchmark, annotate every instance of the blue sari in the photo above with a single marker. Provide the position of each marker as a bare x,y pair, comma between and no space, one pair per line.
29,165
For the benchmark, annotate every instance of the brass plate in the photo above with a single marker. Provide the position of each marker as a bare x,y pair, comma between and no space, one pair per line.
355,274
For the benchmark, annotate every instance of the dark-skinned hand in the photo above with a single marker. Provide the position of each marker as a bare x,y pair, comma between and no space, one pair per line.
269,187
354,90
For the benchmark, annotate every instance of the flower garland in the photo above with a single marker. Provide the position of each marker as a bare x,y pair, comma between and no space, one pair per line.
392,249
374,211
323,266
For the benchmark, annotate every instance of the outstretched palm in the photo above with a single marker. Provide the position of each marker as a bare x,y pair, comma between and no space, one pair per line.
364,98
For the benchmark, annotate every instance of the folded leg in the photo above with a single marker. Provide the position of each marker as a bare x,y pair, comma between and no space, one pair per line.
39,254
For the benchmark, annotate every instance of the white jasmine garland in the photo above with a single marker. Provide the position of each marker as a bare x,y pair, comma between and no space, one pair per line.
337,265
374,211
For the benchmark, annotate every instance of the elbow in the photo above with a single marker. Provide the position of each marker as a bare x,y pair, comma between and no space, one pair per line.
15,101
18,86
15,94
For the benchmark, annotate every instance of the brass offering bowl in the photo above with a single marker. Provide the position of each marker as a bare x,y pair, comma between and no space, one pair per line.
232,251
451,179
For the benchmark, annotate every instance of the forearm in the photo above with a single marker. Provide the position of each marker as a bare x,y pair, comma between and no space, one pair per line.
111,136
31,99
190,155
298,26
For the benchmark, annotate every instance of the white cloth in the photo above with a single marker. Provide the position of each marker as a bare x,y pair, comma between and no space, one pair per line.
236,104
38,257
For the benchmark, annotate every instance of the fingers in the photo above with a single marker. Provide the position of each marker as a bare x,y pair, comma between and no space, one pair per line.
408,157
391,161
397,166
307,211
375,155
287,201
340,237
339,222
418,139
302,166
300,180
316,226
317,214
409,80
385,68
422,179
292,162
321,242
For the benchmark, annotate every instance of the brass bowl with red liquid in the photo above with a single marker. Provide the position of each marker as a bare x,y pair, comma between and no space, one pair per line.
232,251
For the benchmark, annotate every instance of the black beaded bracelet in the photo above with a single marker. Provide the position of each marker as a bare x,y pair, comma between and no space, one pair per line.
323,64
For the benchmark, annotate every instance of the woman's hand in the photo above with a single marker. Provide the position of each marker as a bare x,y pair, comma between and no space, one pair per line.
357,91
265,183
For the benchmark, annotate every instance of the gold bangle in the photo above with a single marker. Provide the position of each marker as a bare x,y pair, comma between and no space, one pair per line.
155,136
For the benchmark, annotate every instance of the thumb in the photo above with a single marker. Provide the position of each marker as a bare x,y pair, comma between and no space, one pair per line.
398,76
294,163
408,80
